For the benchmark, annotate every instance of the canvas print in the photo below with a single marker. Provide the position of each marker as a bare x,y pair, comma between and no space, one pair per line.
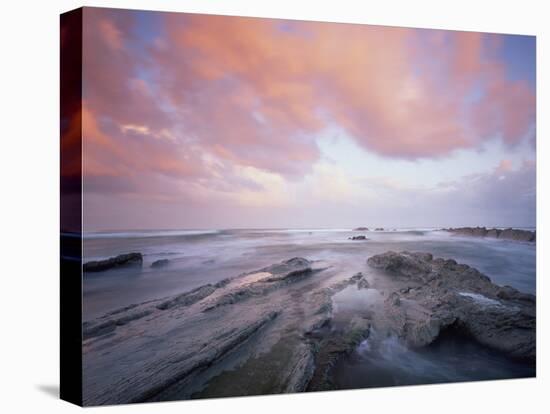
272,206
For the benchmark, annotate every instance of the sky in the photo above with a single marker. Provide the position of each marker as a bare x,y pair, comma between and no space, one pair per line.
202,121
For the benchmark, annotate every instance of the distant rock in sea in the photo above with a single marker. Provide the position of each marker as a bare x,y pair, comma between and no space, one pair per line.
379,229
160,263
128,259
506,234
358,238
361,229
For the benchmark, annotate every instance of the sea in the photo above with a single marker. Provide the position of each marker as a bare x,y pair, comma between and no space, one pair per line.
197,257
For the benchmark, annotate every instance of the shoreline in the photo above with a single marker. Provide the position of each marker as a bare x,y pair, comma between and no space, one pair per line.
221,325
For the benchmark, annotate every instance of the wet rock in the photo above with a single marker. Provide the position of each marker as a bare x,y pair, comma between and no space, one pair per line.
303,367
172,366
333,346
363,284
129,259
358,238
160,263
393,299
297,266
437,293
361,229
405,263
170,348
506,234
107,325
494,233
519,235
379,229
272,278
187,298
509,293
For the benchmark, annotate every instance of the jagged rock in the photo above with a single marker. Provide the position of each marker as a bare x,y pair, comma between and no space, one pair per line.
108,324
334,345
437,293
509,293
494,233
406,264
129,259
393,299
506,234
363,284
297,266
358,238
520,235
188,298
160,263
161,349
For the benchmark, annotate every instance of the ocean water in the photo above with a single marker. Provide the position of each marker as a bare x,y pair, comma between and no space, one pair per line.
199,257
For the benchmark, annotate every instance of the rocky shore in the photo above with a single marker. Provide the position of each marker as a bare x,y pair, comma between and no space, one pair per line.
430,295
279,329
128,259
505,234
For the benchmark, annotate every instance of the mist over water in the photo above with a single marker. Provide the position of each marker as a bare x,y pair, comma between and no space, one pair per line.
386,361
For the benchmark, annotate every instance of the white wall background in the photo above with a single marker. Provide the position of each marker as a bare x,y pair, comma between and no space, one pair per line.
29,208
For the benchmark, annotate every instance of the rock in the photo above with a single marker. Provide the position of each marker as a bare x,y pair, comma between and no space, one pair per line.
270,278
357,238
129,259
168,348
108,324
379,229
519,235
509,293
394,299
493,233
357,277
506,234
297,266
441,294
334,345
405,264
188,298
303,367
363,284
160,263
361,229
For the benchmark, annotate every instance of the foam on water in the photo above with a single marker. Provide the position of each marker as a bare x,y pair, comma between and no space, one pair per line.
481,299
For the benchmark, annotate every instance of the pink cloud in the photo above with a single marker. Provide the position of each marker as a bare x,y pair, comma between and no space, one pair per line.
361,77
250,93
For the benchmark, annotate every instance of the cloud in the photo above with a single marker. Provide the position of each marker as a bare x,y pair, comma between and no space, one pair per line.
504,197
199,109
400,92
257,94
